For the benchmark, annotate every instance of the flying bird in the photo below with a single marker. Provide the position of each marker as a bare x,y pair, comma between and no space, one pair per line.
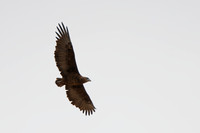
71,78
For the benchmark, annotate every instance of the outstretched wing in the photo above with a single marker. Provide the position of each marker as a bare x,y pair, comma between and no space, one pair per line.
79,97
64,53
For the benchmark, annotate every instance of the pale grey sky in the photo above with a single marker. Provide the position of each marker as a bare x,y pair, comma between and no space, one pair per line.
142,57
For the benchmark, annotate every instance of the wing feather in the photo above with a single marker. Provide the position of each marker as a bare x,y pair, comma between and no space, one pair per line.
79,97
64,53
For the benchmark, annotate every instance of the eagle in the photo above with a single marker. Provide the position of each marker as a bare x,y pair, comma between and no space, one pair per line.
71,78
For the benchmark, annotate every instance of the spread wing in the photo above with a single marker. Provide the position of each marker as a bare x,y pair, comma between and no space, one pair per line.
79,97
64,53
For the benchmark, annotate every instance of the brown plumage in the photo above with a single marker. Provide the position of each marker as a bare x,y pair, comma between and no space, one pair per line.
71,78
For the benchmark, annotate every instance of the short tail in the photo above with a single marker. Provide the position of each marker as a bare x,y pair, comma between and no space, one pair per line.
59,82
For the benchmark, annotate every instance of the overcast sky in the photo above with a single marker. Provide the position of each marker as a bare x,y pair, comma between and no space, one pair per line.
143,58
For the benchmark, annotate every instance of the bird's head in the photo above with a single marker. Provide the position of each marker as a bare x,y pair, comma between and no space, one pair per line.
86,79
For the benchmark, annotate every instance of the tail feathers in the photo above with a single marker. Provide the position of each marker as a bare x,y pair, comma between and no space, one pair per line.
59,82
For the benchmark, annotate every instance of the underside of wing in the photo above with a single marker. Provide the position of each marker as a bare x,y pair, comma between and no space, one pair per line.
64,53
79,97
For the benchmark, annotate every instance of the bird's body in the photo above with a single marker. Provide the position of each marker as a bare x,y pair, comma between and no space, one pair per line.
71,78
77,80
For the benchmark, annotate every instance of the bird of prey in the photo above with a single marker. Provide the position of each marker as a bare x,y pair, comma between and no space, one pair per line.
71,78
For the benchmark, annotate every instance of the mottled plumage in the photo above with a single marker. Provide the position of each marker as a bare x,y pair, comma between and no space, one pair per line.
71,78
